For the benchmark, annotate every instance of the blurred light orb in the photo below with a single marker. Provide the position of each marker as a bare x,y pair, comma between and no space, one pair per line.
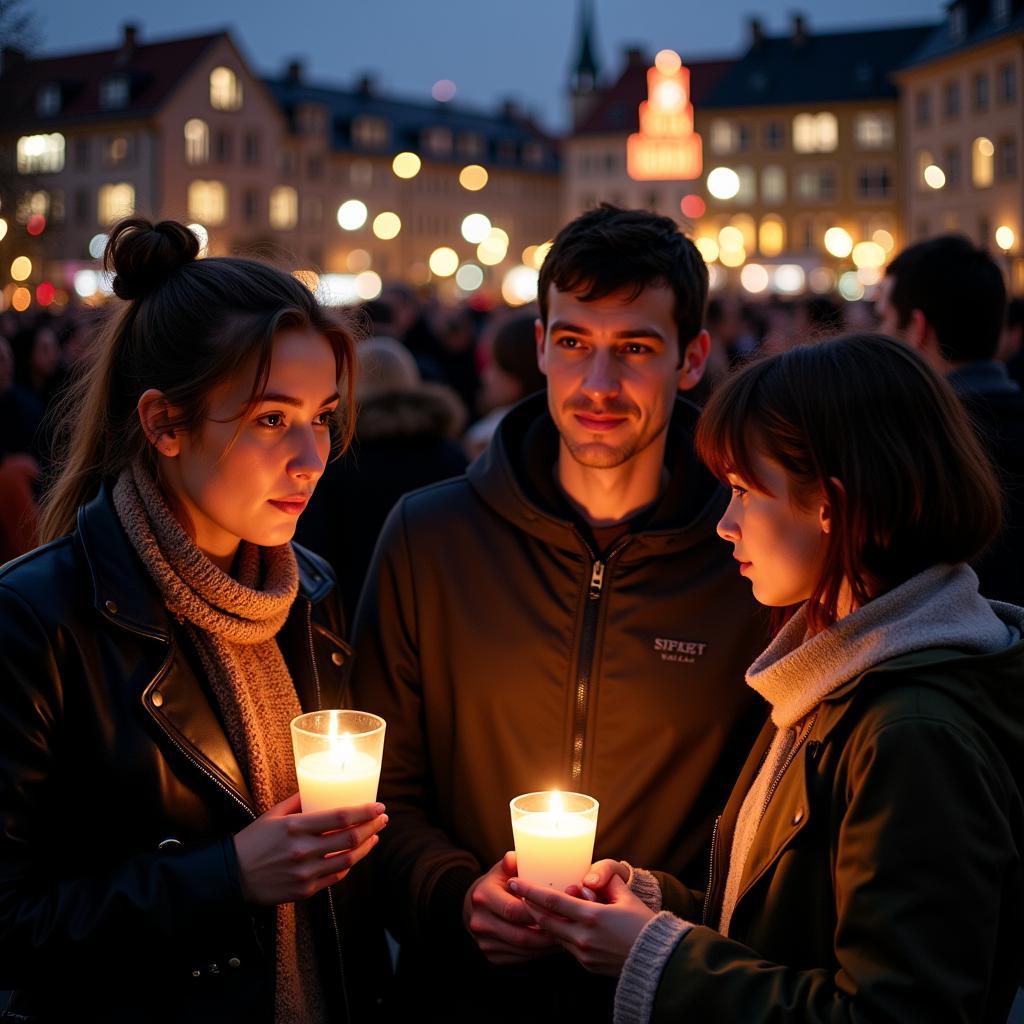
443,90
934,176
96,245
985,147
730,239
850,286
469,277
838,242
789,278
723,183
3,229
87,283
476,227
732,257
387,225
21,299
21,268
708,248
45,293
868,254
358,260
368,285
473,177
869,276
754,278
406,165
884,239
35,226
669,95
541,254
352,214
202,236
519,285
822,280
668,62
692,206
444,261
716,278
1005,237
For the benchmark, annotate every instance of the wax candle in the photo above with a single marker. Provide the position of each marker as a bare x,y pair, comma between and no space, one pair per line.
554,837
337,758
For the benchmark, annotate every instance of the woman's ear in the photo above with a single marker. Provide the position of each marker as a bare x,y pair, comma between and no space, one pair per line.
156,415
825,511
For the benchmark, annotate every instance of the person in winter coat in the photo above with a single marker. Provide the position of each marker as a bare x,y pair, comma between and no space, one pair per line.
154,861
869,865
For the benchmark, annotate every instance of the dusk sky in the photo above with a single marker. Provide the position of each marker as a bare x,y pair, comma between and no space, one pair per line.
490,49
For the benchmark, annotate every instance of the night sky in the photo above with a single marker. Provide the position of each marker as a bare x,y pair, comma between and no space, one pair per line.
490,49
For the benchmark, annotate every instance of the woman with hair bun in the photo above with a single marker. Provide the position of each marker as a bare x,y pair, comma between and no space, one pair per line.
869,865
154,860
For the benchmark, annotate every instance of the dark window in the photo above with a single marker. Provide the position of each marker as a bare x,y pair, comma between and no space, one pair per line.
251,206
951,164
742,138
82,206
81,154
315,166
222,147
923,108
251,148
774,138
952,99
874,183
980,89
1007,76
1007,158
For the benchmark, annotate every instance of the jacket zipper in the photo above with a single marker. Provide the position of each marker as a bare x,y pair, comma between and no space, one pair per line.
330,895
804,733
711,872
586,657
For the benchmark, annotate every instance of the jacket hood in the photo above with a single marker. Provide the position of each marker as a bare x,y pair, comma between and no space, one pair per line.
515,477
430,410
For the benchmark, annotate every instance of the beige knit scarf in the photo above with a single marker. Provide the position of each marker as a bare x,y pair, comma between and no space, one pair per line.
233,624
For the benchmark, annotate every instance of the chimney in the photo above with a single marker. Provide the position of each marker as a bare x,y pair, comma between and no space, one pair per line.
756,27
129,40
799,29
510,110
635,57
294,72
366,85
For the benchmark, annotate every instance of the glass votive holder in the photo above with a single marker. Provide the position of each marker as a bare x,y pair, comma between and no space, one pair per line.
554,837
337,758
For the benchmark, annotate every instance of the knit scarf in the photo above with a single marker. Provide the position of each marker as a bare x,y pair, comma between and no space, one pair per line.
233,624
940,607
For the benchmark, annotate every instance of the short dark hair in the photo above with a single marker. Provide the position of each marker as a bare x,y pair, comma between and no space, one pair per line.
959,289
607,250
917,488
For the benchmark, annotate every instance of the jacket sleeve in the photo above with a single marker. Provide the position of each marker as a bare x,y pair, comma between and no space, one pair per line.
424,874
922,848
58,900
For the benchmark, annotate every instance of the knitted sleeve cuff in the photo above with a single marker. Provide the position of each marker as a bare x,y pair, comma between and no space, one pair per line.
641,973
645,887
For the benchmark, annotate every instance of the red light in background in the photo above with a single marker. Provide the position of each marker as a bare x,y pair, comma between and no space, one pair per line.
692,207
45,293
36,224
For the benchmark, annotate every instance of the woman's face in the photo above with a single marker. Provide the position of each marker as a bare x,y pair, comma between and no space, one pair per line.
779,545
254,487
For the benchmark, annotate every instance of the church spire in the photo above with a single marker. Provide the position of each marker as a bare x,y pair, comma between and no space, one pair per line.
584,75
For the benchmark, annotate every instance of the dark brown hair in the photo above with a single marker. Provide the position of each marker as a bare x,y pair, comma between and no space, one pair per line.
606,250
915,488
186,325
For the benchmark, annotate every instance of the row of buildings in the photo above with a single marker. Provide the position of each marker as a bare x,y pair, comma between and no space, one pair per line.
799,165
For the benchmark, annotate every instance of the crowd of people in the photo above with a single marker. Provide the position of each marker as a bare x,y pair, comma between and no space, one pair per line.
750,575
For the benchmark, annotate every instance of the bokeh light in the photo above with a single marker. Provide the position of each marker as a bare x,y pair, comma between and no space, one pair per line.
443,90
476,227
838,242
707,247
96,245
444,261
850,286
21,299
469,277
352,214
21,268
692,206
358,260
202,235
406,165
473,177
1005,237
789,278
368,285
519,285
754,278
934,176
723,183
667,62
387,225
868,255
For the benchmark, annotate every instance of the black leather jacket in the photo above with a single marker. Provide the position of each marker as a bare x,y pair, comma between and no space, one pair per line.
120,896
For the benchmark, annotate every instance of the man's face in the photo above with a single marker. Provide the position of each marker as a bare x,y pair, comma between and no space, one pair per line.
613,370
888,316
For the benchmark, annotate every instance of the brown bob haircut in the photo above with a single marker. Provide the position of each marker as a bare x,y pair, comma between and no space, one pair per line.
862,420
185,326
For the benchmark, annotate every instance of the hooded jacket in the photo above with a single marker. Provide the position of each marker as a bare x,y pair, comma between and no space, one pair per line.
507,656
120,892
886,878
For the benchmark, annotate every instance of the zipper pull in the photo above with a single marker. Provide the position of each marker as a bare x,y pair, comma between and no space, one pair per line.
596,580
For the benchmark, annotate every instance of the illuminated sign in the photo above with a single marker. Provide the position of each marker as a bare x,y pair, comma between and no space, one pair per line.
666,147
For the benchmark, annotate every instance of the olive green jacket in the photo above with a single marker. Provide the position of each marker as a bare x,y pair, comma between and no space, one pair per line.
886,882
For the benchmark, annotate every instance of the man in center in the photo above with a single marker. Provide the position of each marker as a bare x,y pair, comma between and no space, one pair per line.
564,616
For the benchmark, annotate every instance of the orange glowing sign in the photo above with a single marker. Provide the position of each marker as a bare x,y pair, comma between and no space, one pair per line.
666,147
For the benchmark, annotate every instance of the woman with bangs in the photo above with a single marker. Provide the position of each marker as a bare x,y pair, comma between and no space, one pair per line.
155,863
868,865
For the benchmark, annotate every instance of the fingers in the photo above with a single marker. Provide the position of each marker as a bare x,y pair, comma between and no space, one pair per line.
540,897
489,896
319,822
565,932
340,864
337,842
515,939
291,805
604,871
509,864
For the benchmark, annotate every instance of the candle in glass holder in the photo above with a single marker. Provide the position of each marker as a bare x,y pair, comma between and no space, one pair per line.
337,758
554,837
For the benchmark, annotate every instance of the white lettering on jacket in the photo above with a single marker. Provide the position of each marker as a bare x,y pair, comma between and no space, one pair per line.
687,651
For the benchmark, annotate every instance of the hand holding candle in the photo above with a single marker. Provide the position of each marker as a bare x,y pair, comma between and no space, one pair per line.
554,837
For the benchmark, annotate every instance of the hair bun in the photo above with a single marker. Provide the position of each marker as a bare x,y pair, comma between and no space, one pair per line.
143,255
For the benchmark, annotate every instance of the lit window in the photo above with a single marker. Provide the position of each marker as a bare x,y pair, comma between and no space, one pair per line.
114,92
773,184
31,204
284,208
40,154
225,89
818,184
815,133
115,201
771,236
723,137
371,132
197,141
118,150
748,186
874,130
437,140
982,162
48,100
471,146
208,202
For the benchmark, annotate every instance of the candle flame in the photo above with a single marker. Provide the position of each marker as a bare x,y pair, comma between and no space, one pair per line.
556,803
342,747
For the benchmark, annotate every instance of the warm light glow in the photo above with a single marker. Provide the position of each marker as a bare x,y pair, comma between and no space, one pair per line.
494,248
541,254
528,253
707,247
716,278
868,254
406,165
771,236
884,239
87,283
1005,237
310,278
369,285
21,268
352,214
692,207
473,177
934,176
730,239
202,236
789,278
476,227
850,287
985,147
35,226
838,242
754,278
869,276
667,62
732,257
556,805
3,229
358,260
21,300
669,95
469,277
519,287
666,147
822,280
387,225
723,183
444,261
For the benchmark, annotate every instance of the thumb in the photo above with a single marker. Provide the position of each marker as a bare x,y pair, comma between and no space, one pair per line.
616,889
290,805
509,864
